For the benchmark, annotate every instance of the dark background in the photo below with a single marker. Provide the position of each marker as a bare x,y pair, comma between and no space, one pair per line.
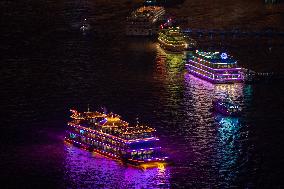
48,66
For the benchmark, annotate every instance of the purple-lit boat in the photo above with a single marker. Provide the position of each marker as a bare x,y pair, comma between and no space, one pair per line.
214,67
226,107
108,135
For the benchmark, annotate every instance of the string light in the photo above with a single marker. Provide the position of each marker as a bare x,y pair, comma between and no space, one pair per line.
173,40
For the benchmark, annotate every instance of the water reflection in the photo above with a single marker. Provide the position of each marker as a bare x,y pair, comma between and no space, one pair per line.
229,127
217,141
89,170
234,91
169,71
199,94
170,112
231,154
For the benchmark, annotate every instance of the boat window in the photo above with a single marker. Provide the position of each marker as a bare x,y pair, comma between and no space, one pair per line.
72,135
139,145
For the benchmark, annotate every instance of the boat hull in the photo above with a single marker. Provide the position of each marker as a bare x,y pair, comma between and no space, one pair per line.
133,162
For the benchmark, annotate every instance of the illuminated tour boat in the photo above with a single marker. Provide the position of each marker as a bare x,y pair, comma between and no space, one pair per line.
214,67
172,39
109,135
226,107
144,21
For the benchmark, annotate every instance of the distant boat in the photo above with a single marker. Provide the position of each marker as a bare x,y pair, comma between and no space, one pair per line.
144,21
226,107
173,40
85,26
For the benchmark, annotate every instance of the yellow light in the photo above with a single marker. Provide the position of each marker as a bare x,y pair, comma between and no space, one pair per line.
160,166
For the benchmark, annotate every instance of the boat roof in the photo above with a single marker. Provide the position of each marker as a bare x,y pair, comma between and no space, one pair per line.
146,11
173,34
111,120
84,115
216,57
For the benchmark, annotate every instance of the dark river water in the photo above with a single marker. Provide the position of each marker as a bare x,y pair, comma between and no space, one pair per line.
47,67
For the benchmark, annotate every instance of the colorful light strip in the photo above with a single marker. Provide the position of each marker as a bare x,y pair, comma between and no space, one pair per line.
144,149
116,156
216,69
98,141
189,65
112,146
97,132
210,79
96,150
111,136
210,55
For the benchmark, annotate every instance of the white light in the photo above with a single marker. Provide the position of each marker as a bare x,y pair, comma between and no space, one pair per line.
224,56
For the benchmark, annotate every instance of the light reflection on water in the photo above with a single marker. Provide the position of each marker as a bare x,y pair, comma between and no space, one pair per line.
234,91
229,148
207,149
89,170
220,140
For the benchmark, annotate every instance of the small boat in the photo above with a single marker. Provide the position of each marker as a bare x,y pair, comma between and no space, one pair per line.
226,107
85,26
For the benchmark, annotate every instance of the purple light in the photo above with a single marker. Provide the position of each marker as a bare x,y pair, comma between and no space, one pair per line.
146,149
210,79
219,69
91,138
114,155
107,135
210,72
213,75
141,140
